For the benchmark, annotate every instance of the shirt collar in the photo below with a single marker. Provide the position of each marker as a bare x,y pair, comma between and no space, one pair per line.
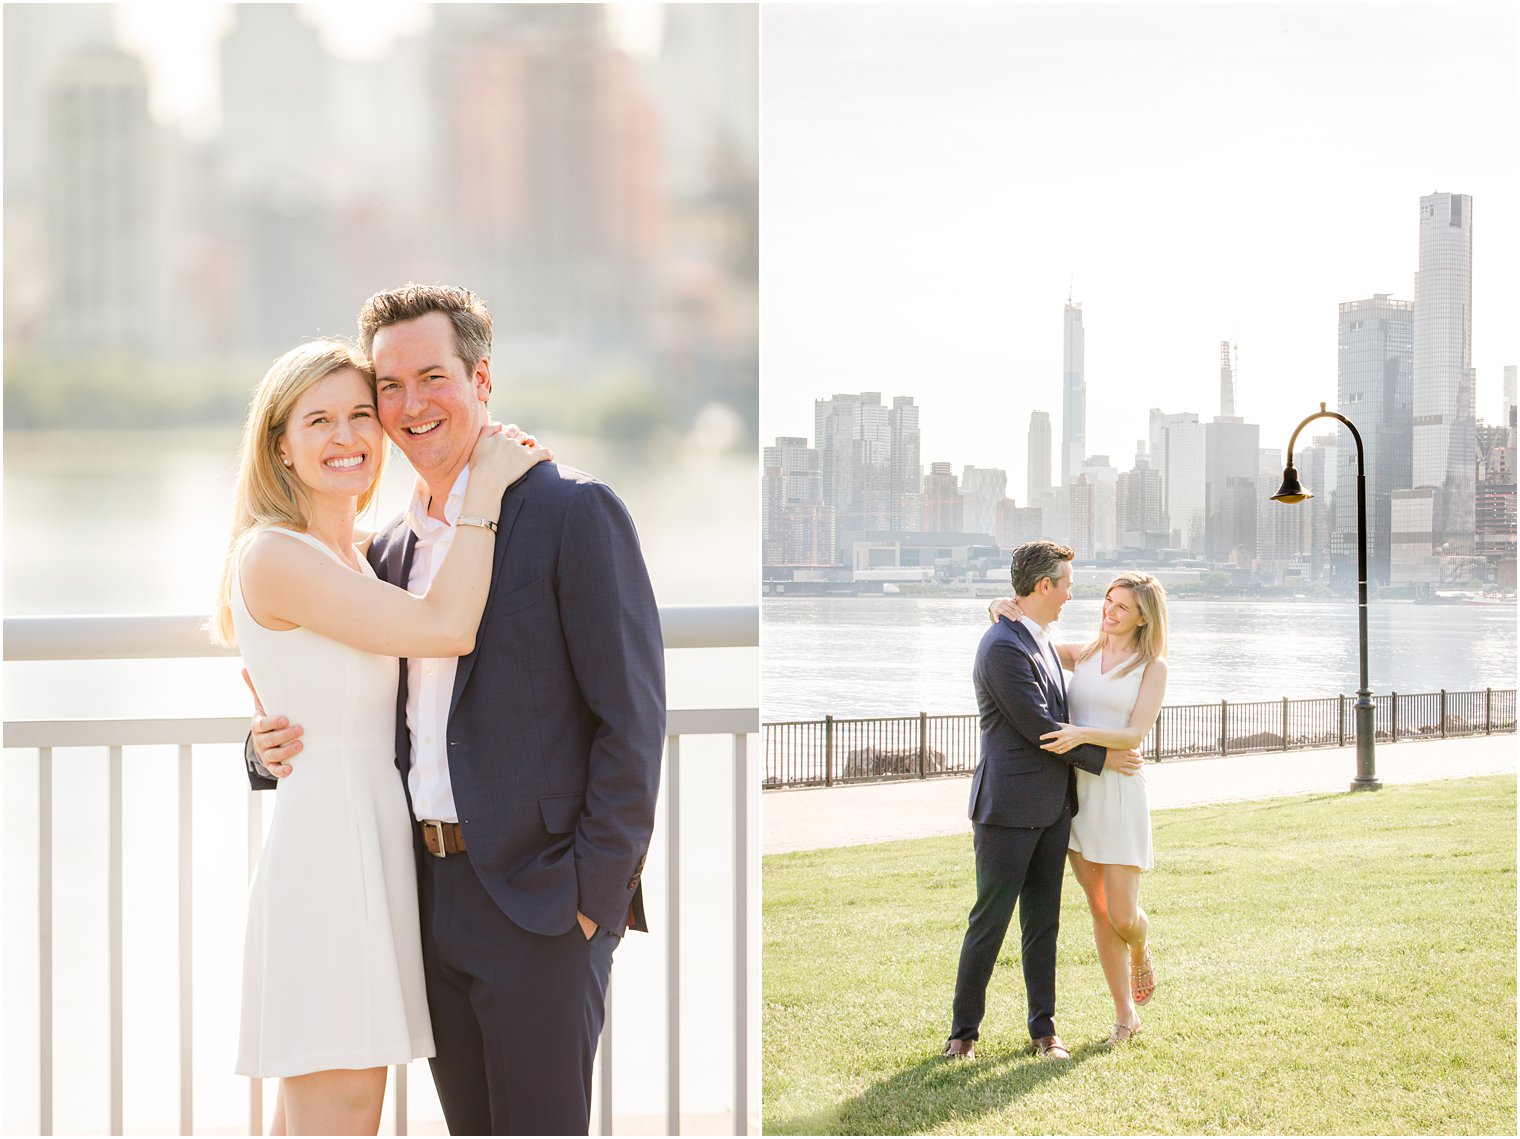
417,516
1041,634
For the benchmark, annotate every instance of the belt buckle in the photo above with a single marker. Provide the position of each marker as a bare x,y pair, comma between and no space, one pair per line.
442,851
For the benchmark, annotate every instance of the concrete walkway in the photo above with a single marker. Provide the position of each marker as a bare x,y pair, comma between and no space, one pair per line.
882,812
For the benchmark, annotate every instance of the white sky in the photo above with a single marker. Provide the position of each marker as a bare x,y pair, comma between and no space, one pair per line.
933,177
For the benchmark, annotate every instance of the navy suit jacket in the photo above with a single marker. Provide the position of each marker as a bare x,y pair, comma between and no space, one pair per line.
1017,783
557,721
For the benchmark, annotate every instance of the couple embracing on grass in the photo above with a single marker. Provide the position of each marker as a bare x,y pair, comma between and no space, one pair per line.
1059,778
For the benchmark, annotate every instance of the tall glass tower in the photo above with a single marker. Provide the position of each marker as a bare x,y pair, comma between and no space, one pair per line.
906,479
1073,397
1445,400
1037,473
1375,382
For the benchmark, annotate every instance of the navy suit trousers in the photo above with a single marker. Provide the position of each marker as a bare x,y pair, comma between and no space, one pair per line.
516,1015
1023,865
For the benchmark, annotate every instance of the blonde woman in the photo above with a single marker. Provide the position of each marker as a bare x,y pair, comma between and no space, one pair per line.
1117,685
332,982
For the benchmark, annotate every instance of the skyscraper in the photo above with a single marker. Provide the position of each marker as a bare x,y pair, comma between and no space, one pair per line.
1375,390
1495,502
943,509
1283,532
982,489
1229,482
1437,513
277,122
1226,380
551,135
772,506
1317,464
1073,395
798,527
1229,490
1138,498
853,435
1100,479
904,475
99,193
1161,447
1037,476
1081,512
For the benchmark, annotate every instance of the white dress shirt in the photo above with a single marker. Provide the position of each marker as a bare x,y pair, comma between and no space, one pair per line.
1042,638
430,680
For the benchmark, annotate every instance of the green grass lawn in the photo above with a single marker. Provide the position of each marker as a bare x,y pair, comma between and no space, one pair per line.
1328,964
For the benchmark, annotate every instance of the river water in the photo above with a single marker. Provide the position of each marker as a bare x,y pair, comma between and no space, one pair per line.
898,656
99,522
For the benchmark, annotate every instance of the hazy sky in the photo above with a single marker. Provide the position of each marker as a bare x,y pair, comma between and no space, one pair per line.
178,42
933,177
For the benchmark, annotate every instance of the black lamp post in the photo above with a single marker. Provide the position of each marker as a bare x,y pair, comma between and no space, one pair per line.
1291,491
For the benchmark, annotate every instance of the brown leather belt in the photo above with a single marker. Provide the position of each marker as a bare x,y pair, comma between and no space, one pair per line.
442,839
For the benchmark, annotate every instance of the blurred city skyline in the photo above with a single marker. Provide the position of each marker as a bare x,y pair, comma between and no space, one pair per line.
179,208
940,181
178,44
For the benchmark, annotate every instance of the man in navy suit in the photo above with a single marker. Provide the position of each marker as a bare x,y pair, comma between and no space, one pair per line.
1022,801
532,764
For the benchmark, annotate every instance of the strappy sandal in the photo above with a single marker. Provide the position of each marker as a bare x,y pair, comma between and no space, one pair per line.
1122,1034
1142,979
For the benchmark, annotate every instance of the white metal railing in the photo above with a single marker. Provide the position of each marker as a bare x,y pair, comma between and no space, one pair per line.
140,637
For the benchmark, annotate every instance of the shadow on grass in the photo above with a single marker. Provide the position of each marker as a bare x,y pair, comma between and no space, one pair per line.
937,1091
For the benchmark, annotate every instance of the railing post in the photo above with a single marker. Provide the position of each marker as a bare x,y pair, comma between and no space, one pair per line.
1224,727
1156,738
186,955
1488,711
114,939
828,751
255,844
741,934
923,745
1285,724
1340,720
673,924
1393,717
1443,713
45,940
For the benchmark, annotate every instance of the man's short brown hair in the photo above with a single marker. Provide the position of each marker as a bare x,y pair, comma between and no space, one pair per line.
466,311
1035,561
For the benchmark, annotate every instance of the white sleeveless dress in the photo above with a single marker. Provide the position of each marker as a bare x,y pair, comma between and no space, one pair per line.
332,961
1113,820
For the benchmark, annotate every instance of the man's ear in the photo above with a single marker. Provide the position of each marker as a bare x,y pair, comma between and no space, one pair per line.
482,379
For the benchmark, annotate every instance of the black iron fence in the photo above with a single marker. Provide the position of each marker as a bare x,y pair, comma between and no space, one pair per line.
820,753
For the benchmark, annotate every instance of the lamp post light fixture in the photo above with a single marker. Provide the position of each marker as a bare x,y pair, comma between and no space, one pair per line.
1292,491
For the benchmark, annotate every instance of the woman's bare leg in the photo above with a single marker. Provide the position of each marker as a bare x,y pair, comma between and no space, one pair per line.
1113,953
278,1126
339,1102
1121,888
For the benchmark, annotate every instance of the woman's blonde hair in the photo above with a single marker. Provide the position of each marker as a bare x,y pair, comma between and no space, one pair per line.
1150,637
268,493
